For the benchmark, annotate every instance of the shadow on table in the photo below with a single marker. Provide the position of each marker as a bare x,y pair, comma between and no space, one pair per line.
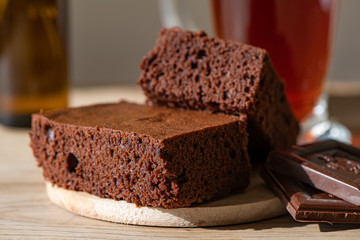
277,222
325,227
286,222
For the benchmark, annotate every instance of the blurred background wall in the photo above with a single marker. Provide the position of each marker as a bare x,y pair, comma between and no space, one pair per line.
108,39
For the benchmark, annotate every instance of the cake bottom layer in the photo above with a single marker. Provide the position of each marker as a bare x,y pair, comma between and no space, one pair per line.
256,203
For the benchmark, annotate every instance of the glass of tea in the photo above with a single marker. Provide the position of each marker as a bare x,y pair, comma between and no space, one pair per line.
298,36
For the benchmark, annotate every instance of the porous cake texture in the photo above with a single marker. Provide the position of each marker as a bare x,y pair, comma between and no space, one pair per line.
193,71
150,156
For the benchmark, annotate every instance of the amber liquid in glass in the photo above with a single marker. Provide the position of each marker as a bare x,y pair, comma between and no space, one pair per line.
297,35
33,59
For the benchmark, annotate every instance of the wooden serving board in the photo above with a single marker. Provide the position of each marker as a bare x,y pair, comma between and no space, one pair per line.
256,203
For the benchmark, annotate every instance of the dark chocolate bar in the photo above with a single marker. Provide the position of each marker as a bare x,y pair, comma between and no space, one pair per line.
307,204
330,166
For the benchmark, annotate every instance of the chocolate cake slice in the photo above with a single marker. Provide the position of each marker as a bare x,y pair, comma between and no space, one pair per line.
191,70
150,156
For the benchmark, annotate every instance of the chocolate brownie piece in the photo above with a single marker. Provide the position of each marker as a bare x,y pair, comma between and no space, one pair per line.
191,70
150,156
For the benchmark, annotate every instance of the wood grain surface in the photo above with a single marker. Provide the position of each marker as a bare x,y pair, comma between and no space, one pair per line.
27,213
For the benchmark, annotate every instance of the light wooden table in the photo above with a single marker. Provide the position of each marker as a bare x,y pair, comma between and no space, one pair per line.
26,212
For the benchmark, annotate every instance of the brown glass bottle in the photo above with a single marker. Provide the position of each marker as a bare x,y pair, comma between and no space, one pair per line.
33,59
